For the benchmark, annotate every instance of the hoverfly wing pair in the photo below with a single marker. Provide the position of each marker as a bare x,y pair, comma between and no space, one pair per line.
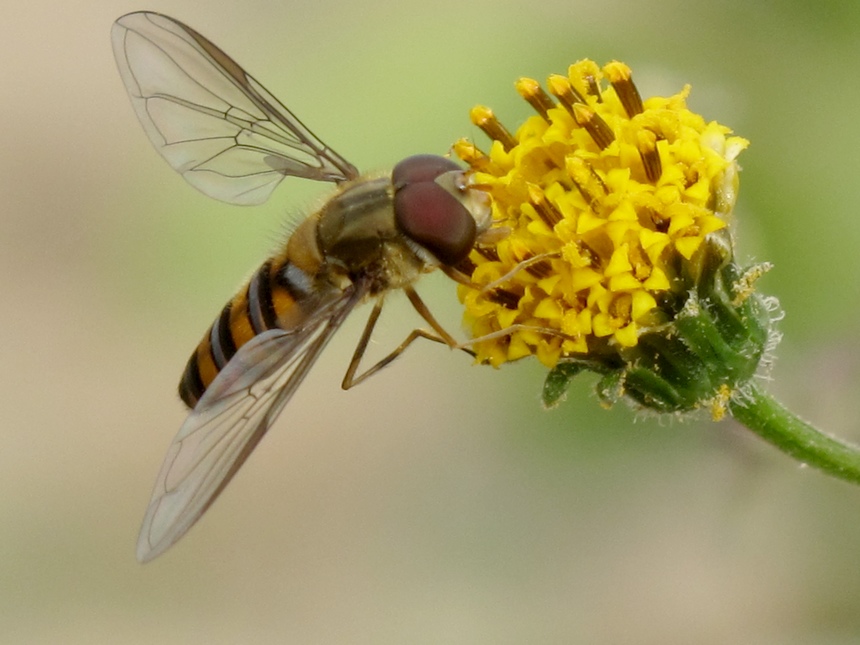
233,141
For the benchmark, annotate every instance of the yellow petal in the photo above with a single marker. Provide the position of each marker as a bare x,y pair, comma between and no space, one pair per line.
627,336
619,262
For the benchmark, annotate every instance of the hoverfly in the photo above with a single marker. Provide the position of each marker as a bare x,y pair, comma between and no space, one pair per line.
232,140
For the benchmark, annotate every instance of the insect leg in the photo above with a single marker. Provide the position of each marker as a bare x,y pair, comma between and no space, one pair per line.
350,379
524,264
458,276
512,329
424,312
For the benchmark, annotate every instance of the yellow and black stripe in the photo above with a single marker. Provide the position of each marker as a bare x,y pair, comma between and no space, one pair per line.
272,299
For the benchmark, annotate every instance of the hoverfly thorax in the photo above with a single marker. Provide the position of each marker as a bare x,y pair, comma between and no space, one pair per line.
355,225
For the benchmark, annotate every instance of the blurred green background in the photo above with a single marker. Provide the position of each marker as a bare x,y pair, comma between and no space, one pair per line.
436,503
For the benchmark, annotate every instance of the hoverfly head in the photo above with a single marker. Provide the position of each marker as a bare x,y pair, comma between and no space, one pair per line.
436,207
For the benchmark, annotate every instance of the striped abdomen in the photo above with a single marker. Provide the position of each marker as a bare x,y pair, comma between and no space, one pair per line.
276,297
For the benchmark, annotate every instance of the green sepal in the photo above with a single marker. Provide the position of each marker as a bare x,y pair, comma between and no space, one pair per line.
610,389
558,381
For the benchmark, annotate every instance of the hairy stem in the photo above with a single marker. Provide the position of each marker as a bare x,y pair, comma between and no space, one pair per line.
775,424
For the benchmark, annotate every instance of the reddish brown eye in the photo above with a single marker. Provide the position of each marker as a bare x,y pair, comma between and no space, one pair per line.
420,168
432,217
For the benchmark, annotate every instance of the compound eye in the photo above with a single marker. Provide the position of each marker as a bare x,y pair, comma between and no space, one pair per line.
419,168
432,217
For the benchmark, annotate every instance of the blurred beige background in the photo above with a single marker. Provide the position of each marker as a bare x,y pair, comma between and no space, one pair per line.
436,503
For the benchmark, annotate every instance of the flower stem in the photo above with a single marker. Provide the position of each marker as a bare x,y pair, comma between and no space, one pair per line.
762,414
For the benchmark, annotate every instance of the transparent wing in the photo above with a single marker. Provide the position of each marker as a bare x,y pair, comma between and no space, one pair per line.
229,421
212,121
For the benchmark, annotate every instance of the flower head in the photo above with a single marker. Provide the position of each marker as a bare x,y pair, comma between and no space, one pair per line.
611,219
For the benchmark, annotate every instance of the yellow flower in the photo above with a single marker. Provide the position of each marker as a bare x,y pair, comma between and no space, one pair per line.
611,253
602,202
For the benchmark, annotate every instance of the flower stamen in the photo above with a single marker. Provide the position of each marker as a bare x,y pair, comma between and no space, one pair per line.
532,92
543,207
621,79
646,142
599,130
503,297
567,95
593,85
490,254
587,181
472,155
484,118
